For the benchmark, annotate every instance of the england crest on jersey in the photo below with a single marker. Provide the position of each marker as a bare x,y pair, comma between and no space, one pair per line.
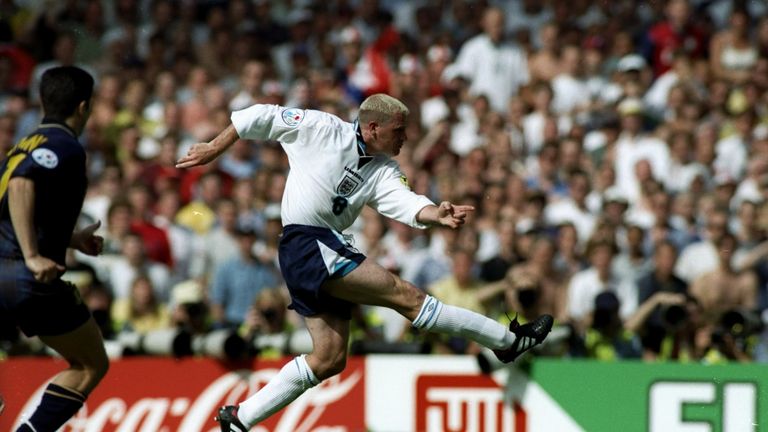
347,186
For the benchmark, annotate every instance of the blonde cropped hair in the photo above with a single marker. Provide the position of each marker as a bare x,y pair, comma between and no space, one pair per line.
381,108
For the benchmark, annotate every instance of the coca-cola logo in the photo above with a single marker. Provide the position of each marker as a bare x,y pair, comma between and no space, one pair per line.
195,412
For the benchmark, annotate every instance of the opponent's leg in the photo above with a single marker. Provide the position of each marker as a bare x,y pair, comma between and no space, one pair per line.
330,336
371,284
83,348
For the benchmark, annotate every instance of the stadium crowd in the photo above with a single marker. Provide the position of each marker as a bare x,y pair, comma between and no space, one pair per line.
616,152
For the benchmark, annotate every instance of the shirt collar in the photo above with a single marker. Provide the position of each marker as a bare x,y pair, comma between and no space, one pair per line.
360,142
364,157
49,122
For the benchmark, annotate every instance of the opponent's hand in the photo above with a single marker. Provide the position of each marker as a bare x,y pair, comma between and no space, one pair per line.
452,215
86,242
199,154
44,269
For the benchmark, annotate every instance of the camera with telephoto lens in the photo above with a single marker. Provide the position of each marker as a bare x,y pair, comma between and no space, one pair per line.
674,316
527,296
741,323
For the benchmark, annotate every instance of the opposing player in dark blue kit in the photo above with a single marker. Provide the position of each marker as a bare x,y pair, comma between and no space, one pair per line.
42,187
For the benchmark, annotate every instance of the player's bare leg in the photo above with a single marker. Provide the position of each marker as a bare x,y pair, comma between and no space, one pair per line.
371,284
83,348
330,337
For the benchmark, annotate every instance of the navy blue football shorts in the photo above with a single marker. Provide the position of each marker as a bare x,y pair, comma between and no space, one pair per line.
308,257
36,308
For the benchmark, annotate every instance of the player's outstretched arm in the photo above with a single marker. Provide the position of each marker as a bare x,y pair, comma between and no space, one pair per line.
202,153
21,203
446,214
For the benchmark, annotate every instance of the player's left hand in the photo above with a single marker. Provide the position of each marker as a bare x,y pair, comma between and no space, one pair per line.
199,154
86,242
452,215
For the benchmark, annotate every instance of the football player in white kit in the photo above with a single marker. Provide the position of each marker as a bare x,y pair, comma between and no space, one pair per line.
335,169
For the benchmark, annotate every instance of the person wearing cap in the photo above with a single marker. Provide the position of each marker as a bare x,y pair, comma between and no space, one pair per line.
337,168
634,145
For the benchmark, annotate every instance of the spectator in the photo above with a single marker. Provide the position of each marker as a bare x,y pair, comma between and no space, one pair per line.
539,267
598,277
700,257
156,244
493,67
237,282
133,262
573,209
607,339
660,280
571,93
677,31
199,215
732,53
544,63
634,145
141,311
724,288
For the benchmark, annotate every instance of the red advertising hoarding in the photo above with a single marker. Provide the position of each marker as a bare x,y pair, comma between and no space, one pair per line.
165,395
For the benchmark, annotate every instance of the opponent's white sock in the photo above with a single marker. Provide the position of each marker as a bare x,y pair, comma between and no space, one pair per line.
293,379
442,318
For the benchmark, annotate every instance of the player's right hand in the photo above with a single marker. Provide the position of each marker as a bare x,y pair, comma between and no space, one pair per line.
44,269
199,154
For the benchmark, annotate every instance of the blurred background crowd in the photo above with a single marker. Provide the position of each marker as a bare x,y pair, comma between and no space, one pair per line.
616,152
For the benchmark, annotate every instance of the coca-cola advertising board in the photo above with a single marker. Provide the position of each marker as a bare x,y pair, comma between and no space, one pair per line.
165,395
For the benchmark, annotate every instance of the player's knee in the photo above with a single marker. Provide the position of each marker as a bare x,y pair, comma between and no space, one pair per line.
330,365
96,368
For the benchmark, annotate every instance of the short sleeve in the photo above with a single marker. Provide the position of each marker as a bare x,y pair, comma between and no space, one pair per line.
274,122
394,199
39,163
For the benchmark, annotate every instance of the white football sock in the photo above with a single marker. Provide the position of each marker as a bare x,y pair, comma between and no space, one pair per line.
293,379
442,318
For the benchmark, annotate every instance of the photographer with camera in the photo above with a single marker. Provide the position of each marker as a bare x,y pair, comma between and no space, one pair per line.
607,338
734,336
671,327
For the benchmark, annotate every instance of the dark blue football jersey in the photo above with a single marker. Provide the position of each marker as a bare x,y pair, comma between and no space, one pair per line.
53,158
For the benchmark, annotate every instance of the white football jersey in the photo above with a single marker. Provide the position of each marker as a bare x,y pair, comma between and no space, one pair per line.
331,177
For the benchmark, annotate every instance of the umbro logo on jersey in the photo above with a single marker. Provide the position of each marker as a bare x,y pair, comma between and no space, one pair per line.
292,116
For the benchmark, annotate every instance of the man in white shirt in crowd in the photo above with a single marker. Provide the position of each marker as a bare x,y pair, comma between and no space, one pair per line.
493,67
336,168
634,145
598,277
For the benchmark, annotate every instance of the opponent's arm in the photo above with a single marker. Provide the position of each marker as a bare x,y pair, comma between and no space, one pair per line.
202,153
21,202
446,214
